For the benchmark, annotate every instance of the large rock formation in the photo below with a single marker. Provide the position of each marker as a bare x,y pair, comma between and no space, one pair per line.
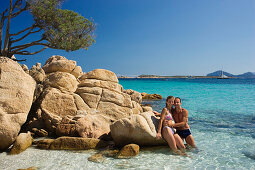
73,103
139,129
16,96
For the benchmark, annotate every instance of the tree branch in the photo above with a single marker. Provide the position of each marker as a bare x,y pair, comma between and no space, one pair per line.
22,47
16,3
32,27
19,60
1,28
28,53
2,15
7,34
30,32
20,10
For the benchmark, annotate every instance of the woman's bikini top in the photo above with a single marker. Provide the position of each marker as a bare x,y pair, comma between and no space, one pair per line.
168,116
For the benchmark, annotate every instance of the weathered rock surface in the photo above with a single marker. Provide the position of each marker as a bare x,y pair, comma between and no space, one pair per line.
16,96
135,96
57,103
25,68
139,129
62,81
147,109
151,96
101,74
23,141
93,126
37,73
100,83
68,127
71,143
40,132
59,63
128,151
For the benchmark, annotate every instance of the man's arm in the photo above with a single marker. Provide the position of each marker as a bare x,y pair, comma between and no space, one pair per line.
184,120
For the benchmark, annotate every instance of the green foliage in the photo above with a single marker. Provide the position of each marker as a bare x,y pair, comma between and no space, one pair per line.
59,29
64,29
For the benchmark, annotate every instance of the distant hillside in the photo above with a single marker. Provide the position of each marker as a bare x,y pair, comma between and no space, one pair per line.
244,75
218,73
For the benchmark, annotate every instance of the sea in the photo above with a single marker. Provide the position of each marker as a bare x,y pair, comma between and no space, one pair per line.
221,118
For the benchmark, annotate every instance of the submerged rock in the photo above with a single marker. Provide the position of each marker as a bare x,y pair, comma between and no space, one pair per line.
98,158
30,168
129,151
151,96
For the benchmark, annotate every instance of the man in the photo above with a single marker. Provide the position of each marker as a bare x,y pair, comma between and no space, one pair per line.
181,122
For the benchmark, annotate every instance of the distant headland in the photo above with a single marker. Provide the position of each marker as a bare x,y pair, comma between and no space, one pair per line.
216,74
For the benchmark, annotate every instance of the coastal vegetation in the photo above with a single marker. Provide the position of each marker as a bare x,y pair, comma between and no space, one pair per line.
54,28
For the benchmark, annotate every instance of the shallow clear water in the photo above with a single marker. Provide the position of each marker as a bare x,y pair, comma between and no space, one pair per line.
221,117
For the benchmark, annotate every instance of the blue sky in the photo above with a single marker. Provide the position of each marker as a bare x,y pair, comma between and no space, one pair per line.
162,37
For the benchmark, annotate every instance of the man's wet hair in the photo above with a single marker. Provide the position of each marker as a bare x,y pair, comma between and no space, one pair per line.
179,99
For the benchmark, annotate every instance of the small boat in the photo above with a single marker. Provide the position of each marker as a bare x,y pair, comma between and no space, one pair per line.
190,77
222,76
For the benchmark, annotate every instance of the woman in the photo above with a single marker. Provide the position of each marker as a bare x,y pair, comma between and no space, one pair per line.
168,133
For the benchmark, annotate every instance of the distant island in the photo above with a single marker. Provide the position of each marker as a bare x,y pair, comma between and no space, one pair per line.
244,75
215,74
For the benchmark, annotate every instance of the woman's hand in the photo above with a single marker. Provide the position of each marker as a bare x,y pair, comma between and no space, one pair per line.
168,123
158,136
156,113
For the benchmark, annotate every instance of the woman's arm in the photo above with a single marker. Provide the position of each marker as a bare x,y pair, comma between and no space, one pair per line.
162,117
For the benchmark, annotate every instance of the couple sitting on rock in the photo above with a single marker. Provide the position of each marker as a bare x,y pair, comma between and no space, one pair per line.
174,125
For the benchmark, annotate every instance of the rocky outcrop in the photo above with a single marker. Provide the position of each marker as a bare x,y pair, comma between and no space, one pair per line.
96,95
37,73
16,91
23,141
71,143
59,63
151,96
68,102
128,151
139,129
135,96
101,74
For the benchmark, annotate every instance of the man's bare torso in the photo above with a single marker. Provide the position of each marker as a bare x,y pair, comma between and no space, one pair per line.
179,116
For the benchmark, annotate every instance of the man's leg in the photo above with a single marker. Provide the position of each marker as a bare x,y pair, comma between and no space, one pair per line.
190,141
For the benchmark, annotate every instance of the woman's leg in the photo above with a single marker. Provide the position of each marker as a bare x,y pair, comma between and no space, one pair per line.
168,136
179,142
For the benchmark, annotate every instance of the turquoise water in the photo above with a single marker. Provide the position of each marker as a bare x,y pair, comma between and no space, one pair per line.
221,117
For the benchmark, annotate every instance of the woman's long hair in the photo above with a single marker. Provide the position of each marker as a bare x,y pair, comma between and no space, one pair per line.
169,97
